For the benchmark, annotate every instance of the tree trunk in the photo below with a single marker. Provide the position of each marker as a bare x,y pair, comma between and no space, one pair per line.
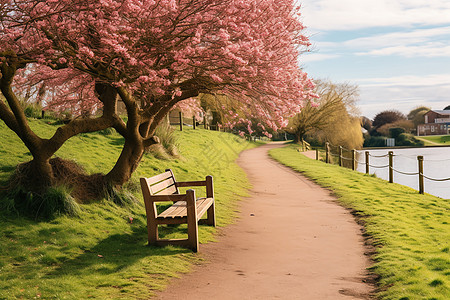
298,137
127,163
39,175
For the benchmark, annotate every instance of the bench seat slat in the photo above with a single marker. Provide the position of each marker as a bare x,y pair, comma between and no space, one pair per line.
179,209
170,212
202,206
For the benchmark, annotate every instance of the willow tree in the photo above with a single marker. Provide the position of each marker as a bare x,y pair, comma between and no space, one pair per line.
87,54
335,104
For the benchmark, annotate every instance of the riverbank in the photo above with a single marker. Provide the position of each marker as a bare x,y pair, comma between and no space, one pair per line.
410,232
405,166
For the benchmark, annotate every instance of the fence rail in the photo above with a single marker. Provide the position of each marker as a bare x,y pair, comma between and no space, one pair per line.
182,121
339,154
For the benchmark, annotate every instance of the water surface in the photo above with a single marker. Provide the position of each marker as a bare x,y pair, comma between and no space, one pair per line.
436,165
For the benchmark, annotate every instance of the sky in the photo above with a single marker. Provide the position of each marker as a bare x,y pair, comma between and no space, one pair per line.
396,51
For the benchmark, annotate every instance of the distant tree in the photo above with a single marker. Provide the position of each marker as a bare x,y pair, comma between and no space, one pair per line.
331,116
344,131
405,125
417,115
366,123
387,116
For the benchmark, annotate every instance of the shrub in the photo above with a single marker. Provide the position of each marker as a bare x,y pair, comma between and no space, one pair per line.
107,131
168,146
406,125
54,201
395,132
407,139
121,196
32,110
375,141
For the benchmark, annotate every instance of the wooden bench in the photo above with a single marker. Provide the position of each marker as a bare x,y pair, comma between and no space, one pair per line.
186,208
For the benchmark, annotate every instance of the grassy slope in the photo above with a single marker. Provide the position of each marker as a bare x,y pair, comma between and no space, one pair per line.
411,231
100,254
435,140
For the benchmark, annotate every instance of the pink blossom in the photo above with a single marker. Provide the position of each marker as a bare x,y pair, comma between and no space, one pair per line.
247,50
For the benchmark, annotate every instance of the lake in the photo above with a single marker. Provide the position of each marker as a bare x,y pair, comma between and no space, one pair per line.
436,165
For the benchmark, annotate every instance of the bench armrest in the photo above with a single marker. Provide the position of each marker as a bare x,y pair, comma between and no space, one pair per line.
208,183
163,198
190,183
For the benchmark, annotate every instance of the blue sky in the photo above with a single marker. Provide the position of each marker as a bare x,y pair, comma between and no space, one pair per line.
396,51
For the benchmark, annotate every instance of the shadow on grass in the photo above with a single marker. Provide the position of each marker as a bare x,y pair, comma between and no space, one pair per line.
115,253
7,169
116,141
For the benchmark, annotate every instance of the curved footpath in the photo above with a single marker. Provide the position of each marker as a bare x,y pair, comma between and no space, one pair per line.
291,241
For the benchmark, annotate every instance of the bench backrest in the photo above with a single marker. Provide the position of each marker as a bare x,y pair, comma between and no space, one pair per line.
162,184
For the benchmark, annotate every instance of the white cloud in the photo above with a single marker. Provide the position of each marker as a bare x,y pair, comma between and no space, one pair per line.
357,14
430,80
403,93
432,50
400,38
310,57
434,42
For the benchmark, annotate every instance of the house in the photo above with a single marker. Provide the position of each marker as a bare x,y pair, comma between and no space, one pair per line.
437,122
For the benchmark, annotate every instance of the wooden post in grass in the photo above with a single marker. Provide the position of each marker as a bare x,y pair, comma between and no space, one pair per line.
181,120
367,162
317,153
327,152
193,122
353,159
391,167
420,160
340,156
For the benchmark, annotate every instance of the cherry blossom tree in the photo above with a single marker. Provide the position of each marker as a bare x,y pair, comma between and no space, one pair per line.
87,54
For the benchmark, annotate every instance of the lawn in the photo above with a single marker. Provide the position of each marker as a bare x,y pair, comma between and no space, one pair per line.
410,232
435,140
102,253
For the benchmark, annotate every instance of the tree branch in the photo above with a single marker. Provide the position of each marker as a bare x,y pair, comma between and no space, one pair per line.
8,117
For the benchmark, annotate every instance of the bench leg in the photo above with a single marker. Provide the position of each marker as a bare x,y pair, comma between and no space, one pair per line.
211,216
192,220
152,233
210,194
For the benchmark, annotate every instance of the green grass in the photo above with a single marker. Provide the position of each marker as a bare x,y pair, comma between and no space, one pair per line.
435,140
411,232
101,254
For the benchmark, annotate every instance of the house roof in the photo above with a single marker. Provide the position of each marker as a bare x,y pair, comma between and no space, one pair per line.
441,112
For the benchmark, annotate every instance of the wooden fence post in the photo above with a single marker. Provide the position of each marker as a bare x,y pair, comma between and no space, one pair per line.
421,188
193,122
353,159
367,162
317,153
340,156
181,120
391,167
327,152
